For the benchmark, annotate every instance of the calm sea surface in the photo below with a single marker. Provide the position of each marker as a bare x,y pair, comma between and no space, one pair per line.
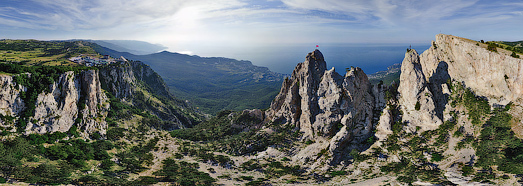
371,58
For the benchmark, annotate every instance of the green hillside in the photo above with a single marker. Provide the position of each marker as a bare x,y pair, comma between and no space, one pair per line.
212,83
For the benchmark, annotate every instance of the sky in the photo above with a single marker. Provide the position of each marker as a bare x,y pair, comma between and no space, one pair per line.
243,28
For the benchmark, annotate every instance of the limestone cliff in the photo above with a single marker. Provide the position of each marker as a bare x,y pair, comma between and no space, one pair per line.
11,103
331,109
432,103
493,74
424,91
75,99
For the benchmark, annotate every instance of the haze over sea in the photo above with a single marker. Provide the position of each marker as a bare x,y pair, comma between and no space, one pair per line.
369,57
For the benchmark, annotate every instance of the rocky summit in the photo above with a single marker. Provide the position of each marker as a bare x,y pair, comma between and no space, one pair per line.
334,111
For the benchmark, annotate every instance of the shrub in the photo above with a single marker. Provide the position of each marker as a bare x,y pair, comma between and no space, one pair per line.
145,180
467,170
436,157
492,47
417,106
514,55
115,133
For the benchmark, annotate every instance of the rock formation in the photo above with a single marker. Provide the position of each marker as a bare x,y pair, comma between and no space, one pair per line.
331,109
495,75
416,99
423,85
11,103
75,99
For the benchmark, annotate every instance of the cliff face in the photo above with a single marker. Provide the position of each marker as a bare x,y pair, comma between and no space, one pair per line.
424,90
11,103
331,109
495,75
452,91
75,99
416,99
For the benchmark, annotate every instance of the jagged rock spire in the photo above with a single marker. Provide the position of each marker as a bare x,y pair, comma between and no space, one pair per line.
328,108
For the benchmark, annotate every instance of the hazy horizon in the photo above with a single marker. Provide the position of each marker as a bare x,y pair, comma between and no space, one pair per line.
246,29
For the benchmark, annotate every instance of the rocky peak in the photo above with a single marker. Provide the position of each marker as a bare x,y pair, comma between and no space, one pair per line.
333,110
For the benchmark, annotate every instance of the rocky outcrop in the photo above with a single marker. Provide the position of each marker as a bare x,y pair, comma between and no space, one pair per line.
416,99
495,75
96,103
423,88
11,103
331,109
118,80
72,100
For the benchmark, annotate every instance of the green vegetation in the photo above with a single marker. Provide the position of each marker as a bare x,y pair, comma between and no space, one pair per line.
514,55
477,107
387,80
227,134
54,164
183,173
491,46
151,99
499,146
212,84
38,53
272,168
515,47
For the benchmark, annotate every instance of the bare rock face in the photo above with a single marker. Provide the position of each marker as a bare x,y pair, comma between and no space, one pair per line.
331,109
96,103
495,75
416,99
384,127
59,109
119,80
424,91
11,104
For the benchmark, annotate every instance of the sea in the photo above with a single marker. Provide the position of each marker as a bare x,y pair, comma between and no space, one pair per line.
369,57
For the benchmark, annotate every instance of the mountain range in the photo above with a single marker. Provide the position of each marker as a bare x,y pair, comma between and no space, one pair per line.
453,117
211,83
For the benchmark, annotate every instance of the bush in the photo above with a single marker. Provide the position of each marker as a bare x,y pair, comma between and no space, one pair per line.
145,180
492,46
115,133
417,106
183,173
467,170
514,55
436,157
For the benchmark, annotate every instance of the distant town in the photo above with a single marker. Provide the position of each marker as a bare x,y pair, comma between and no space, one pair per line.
89,60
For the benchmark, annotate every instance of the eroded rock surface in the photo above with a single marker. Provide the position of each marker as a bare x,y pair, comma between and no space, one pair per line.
331,109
